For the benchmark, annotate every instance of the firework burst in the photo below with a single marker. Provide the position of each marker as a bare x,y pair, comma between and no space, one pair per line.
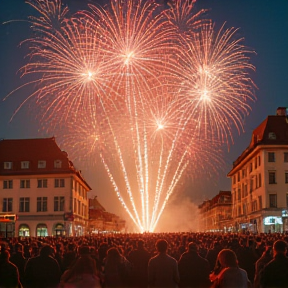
143,87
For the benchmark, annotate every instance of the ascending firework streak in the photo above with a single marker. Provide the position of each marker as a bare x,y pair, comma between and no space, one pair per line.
147,86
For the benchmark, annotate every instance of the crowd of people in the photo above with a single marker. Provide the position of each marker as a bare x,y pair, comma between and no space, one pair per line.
146,260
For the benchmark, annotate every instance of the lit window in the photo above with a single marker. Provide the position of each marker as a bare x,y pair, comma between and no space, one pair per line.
7,165
271,157
41,164
24,164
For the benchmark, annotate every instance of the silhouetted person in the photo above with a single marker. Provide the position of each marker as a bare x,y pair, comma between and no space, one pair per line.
19,260
43,270
275,273
162,268
9,275
139,259
194,270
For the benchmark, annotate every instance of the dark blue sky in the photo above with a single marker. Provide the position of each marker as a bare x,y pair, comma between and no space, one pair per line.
263,24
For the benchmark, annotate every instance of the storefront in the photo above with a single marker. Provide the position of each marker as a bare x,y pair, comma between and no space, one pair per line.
7,225
273,224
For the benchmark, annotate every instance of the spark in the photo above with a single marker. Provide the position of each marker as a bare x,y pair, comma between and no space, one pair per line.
153,93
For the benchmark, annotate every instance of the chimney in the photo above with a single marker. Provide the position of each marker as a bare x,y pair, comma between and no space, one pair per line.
281,111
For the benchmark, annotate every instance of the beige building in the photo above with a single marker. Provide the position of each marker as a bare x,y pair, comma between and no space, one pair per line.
41,192
260,179
216,214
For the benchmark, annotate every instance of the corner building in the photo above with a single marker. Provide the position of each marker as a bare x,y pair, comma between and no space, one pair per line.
260,179
41,192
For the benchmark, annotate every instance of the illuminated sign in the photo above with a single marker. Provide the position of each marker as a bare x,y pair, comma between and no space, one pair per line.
272,220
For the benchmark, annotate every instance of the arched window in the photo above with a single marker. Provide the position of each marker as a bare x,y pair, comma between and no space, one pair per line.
24,230
41,230
59,230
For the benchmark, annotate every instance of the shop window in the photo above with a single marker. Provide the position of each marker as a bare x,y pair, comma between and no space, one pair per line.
24,230
41,230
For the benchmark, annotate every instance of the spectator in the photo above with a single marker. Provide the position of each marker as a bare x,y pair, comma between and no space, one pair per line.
231,276
83,272
275,273
9,275
117,269
19,260
260,264
162,268
139,259
193,269
43,270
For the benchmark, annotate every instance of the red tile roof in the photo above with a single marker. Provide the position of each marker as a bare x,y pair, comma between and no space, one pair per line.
276,124
34,150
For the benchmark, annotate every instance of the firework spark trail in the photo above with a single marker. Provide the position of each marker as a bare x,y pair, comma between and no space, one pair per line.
162,66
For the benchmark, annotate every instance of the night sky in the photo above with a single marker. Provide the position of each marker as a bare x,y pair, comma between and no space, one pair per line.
263,24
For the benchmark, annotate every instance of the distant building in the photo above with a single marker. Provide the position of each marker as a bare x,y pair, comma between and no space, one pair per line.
101,221
260,178
216,214
41,192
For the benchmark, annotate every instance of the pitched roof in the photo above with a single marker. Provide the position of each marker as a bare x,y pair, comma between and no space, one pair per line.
272,131
34,150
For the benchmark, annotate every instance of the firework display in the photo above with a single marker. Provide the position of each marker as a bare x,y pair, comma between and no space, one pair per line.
150,89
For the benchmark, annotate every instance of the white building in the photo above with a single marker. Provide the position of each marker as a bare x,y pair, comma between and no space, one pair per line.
260,179
41,192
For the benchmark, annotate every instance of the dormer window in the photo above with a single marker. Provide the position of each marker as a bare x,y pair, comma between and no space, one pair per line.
24,164
41,164
7,165
272,135
57,164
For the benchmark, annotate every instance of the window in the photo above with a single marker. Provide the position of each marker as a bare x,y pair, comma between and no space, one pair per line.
59,203
272,177
271,157
238,176
75,205
24,164
41,164
57,164
255,163
59,183
7,204
7,165
273,200
239,194
251,185
79,207
234,179
254,205
272,135
250,167
25,183
41,204
42,183
259,160
286,177
24,204
8,184
259,180
287,200
286,157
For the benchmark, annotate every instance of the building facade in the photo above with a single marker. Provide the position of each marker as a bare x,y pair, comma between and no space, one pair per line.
216,214
41,192
260,179
101,221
